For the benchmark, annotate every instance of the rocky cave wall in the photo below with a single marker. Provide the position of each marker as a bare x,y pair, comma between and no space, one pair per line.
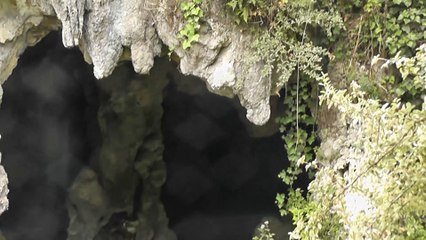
108,31
118,171
221,170
211,153
48,120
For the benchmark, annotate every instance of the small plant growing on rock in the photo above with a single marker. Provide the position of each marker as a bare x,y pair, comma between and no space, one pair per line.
192,13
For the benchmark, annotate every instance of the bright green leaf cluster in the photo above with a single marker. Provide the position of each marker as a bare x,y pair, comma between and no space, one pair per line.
192,13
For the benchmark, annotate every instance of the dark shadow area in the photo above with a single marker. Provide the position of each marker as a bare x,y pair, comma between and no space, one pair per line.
49,130
221,182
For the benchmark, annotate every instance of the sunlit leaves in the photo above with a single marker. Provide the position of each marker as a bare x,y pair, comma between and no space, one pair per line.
192,13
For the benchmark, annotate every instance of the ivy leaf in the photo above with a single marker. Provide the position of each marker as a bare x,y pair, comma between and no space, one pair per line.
232,4
194,38
195,11
311,139
185,6
186,44
245,14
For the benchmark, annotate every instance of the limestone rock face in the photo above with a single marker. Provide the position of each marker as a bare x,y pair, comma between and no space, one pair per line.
22,26
104,29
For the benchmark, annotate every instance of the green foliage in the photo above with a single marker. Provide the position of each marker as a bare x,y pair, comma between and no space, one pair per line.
264,232
287,47
298,128
382,82
315,218
405,27
386,148
384,27
377,30
371,188
413,72
249,10
192,13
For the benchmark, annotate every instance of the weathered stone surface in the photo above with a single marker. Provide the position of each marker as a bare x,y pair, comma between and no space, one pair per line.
4,203
131,171
89,207
103,28
22,26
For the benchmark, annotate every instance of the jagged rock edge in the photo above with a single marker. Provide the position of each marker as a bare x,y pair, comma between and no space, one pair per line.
102,28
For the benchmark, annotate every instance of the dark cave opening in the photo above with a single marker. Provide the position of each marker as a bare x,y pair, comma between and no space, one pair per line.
221,181
48,127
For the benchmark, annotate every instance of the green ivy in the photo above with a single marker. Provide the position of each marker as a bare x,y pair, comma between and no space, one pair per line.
385,27
298,128
192,13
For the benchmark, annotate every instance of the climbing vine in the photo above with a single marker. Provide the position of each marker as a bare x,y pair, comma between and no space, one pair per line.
298,127
287,48
286,44
192,13
369,189
377,30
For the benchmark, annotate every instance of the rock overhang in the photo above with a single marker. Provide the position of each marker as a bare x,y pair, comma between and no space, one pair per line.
103,28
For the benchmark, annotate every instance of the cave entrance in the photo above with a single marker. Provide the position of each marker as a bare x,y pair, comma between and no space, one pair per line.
49,131
221,181
57,120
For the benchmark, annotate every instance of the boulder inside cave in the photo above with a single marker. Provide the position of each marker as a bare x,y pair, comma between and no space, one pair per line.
130,156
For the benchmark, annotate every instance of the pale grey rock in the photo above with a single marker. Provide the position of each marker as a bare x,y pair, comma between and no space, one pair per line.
22,25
